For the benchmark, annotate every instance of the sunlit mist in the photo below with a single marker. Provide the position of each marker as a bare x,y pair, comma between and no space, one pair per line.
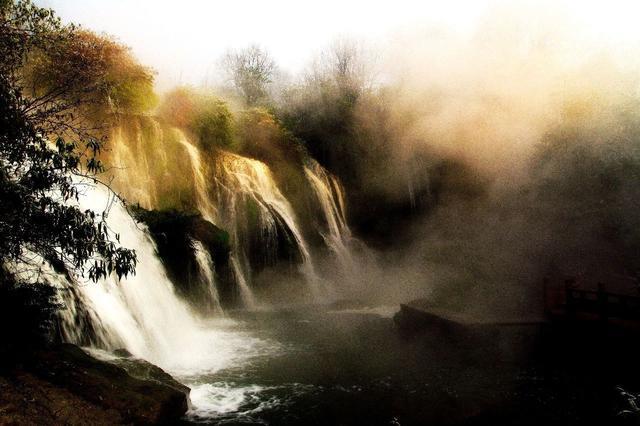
183,44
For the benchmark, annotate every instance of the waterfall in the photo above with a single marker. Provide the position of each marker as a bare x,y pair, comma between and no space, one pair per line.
246,294
132,169
210,213
206,207
337,236
205,263
329,194
141,313
240,180
137,160
160,168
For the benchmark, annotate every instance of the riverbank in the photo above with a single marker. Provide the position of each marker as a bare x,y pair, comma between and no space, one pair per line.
64,385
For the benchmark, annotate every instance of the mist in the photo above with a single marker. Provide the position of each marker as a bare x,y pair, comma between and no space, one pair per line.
528,139
494,158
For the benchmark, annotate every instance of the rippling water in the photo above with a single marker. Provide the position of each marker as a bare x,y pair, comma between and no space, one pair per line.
330,366
283,365
351,367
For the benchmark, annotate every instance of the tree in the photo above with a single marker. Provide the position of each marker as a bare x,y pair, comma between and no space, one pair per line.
213,123
251,71
39,169
71,79
205,115
88,72
346,66
323,110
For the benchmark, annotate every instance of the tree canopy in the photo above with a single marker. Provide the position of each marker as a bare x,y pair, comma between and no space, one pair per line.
44,153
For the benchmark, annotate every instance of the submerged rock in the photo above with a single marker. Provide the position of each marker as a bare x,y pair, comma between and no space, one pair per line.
144,370
64,385
123,353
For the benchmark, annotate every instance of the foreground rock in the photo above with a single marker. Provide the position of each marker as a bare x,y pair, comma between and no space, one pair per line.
64,385
144,370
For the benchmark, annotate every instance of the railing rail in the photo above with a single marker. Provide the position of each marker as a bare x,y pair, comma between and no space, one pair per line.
605,304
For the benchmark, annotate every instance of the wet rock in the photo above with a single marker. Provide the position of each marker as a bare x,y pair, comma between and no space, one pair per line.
144,370
122,353
64,385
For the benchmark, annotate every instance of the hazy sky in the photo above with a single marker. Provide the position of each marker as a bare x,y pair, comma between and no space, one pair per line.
183,39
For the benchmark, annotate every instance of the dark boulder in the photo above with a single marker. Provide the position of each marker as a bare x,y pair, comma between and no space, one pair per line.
174,233
144,370
122,353
64,385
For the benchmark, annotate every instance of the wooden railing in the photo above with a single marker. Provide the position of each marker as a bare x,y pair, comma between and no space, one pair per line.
606,305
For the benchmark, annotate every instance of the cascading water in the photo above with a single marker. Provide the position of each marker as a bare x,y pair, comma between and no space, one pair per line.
246,294
349,253
237,194
137,157
206,207
210,213
329,193
142,313
205,263
133,174
240,180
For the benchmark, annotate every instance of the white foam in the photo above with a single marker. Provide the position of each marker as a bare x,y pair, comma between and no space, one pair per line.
215,399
